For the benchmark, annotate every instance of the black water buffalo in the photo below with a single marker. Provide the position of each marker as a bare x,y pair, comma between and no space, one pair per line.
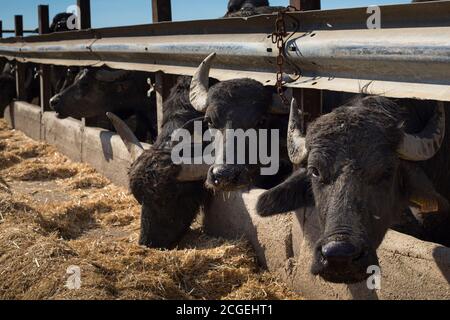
247,8
8,79
8,85
170,194
247,105
7,91
3,63
90,93
62,78
361,166
95,92
60,22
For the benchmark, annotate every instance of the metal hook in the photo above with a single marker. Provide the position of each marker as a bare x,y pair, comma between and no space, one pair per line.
152,88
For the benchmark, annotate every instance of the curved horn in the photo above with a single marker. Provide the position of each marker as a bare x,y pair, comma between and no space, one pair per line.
296,141
129,139
110,75
198,94
424,145
8,68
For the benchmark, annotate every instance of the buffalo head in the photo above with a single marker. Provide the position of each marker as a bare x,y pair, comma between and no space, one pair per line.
170,195
357,166
93,93
233,106
63,77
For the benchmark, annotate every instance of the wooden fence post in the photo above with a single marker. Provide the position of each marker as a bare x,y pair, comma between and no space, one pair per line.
45,73
162,11
85,14
84,23
18,25
306,5
310,100
20,67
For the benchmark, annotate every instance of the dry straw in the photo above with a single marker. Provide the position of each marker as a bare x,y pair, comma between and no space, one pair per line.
55,214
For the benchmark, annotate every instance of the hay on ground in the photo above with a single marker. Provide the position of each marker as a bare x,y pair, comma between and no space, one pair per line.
55,214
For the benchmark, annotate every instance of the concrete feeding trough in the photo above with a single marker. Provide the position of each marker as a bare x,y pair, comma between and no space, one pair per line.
102,149
411,269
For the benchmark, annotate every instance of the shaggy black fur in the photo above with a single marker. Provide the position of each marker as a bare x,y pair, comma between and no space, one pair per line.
168,206
177,110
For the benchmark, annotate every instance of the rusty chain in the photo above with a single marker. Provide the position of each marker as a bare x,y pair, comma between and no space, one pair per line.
278,38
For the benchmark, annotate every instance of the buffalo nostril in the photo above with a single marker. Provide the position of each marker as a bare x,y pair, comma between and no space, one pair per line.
223,175
340,251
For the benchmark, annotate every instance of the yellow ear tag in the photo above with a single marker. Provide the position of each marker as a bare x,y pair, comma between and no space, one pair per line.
425,205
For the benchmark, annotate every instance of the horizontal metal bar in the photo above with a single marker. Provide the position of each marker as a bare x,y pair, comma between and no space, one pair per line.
333,50
413,62
24,31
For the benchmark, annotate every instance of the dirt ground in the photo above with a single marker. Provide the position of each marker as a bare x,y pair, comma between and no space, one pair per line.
56,215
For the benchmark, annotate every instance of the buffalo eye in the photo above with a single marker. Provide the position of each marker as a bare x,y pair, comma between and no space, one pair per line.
314,172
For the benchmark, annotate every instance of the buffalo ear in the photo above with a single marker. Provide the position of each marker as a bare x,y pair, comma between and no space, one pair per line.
290,195
421,192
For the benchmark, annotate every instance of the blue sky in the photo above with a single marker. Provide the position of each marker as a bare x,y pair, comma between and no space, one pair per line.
106,13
